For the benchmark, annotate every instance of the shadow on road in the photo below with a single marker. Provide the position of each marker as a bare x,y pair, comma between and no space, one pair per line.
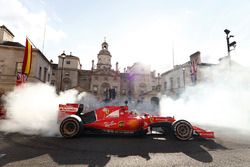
97,150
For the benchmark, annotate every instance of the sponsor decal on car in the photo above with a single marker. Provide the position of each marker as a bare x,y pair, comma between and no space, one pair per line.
106,110
160,119
109,124
121,124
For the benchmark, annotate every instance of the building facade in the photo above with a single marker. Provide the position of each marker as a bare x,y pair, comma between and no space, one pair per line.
174,81
135,82
11,60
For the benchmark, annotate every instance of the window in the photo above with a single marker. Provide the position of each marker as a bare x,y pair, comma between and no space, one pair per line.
165,85
171,83
66,74
153,87
2,66
178,82
95,88
19,67
158,88
96,78
84,78
123,91
48,77
45,74
68,62
40,73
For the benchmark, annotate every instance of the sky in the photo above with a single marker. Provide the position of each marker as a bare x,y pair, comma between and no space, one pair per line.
147,31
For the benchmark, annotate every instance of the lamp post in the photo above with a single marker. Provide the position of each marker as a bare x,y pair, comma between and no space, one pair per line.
184,77
229,45
63,55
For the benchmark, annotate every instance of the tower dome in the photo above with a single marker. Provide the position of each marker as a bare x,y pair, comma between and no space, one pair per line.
104,50
104,57
105,45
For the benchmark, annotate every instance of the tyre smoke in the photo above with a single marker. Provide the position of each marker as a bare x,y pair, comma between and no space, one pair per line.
222,100
33,108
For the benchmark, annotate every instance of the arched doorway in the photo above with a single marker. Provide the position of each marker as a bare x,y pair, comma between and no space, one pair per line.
155,101
104,90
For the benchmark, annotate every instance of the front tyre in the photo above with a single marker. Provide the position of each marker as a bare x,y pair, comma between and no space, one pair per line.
182,130
70,127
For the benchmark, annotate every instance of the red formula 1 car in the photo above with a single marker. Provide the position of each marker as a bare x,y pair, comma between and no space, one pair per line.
74,120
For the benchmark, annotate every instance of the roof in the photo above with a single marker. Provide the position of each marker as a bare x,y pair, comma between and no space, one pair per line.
167,72
18,45
104,43
42,55
4,27
194,54
69,56
10,43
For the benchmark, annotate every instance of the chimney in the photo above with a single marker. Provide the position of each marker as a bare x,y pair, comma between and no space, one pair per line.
6,34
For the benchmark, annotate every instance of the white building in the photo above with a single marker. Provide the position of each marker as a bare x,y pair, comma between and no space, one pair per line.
174,81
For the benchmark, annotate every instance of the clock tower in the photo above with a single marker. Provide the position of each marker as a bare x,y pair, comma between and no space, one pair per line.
104,57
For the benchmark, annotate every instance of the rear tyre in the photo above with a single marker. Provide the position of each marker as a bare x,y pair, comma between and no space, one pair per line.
182,130
71,127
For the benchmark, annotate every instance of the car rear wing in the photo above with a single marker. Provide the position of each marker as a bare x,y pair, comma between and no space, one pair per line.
203,133
66,110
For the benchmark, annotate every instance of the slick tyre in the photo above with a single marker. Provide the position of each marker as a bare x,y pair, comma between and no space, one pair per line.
182,130
71,127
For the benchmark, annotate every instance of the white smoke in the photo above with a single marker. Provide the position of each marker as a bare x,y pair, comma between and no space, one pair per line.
33,109
220,101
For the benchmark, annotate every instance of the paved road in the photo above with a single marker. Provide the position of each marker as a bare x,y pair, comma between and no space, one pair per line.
21,150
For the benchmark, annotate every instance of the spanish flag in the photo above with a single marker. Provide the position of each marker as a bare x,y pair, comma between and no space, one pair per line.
27,59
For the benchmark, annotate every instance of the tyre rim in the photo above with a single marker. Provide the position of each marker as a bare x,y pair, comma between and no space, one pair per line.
69,128
183,130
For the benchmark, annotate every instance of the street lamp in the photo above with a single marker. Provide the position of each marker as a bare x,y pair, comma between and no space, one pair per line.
229,45
63,55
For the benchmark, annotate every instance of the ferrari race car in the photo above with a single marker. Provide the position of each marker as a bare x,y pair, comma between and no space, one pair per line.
74,119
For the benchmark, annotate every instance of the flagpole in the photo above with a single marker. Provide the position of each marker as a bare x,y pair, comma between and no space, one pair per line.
173,52
44,33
